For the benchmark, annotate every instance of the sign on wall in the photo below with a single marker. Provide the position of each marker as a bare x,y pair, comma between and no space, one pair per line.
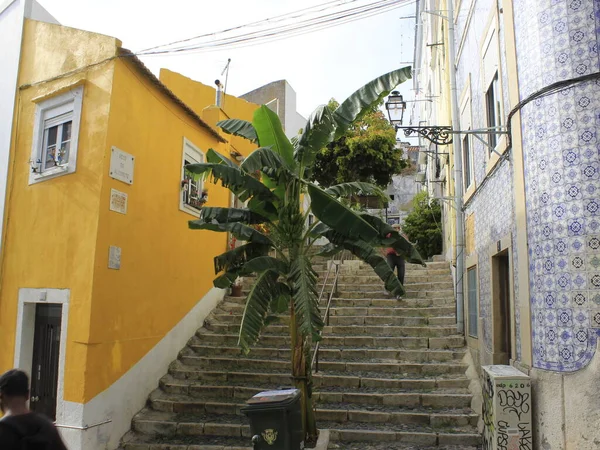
118,201
121,165
114,257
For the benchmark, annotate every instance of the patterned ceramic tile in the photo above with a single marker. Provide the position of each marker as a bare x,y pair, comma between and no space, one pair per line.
562,164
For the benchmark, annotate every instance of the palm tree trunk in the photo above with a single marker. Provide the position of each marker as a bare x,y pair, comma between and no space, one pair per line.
301,375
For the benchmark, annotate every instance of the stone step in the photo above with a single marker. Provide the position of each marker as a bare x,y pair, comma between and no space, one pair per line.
368,271
373,365
395,415
321,378
140,441
392,434
445,294
350,445
379,301
432,311
346,330
283,341
350,320
210,400
327,353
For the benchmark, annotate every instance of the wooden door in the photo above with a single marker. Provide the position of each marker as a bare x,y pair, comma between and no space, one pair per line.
44,367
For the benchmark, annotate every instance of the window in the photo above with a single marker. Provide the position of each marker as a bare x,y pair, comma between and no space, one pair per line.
466,148
55,135
472,299
493,109
192,197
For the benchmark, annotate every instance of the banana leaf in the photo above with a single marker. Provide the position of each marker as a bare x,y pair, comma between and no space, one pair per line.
303,280
268,162
366,98
216,158
263,263
214,214
395,240
356,187
372,257
339,217
270,134
241,184
239,256
317,133
239,127
239,230
257,306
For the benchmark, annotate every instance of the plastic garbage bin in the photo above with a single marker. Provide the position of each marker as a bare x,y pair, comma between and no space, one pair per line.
276,420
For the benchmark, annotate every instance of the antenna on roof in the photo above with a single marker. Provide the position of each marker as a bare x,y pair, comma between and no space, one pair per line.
226,72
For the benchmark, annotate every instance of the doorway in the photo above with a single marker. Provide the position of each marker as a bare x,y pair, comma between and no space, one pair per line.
502,313
40,347
44,363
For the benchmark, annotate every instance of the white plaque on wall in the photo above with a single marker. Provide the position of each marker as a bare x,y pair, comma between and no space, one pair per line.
118,201
121,165
114,257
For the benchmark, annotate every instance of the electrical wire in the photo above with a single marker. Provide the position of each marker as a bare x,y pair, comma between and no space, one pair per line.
287,30
274,19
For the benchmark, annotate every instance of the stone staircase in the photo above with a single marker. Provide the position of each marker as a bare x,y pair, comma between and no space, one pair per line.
390,374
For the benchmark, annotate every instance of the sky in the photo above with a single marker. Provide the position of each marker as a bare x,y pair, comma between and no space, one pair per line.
320,65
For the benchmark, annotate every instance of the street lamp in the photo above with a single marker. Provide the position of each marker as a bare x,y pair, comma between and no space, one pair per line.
395,107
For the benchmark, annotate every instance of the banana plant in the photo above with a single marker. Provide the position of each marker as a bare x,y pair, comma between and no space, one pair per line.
285,279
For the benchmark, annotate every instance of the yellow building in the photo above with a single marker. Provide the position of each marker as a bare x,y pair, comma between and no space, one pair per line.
102,282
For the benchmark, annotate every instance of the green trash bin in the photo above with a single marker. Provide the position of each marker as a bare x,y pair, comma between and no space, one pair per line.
276,420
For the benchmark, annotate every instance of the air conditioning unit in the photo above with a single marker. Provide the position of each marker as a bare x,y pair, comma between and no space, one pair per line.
420,177
422,158
506,408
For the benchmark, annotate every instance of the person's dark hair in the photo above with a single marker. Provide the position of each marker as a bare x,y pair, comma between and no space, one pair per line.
14,383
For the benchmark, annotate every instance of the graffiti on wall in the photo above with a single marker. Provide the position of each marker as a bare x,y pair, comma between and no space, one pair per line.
506,413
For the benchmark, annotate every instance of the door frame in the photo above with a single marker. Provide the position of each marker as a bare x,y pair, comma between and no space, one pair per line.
502,247
28,298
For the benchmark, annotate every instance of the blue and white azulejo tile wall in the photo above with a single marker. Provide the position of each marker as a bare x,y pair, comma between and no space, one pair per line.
558,40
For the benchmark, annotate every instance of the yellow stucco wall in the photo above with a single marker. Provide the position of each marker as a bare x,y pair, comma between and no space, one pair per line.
165,267
51,226
201,97
58,231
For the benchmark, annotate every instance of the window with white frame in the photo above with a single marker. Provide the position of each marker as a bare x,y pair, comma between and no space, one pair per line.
491,85
472,300
493,110
467,149
55,136
192,196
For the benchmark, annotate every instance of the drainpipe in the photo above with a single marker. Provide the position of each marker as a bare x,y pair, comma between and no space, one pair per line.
458,174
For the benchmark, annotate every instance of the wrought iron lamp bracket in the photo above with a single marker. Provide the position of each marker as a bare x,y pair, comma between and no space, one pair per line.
436,135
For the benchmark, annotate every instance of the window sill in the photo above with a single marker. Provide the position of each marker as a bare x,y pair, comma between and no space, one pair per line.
190,211
501,148
48,174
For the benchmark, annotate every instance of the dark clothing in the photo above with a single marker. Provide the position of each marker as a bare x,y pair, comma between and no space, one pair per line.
397,262
29,431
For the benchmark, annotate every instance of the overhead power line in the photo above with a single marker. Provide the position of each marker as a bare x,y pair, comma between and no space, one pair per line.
277,32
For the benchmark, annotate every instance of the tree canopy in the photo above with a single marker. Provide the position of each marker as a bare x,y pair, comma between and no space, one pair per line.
365,153
422,225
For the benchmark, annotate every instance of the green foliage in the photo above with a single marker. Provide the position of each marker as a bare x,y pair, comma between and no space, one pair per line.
365,153
423,225
282,259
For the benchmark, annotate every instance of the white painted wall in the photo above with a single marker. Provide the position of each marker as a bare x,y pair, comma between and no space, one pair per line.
128,395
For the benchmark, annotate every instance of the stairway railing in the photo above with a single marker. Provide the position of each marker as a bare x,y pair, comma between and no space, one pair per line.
333,263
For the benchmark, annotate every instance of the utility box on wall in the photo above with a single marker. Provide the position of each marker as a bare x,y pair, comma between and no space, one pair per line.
506,409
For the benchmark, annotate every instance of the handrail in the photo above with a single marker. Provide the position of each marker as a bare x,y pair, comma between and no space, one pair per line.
85,427
315,359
